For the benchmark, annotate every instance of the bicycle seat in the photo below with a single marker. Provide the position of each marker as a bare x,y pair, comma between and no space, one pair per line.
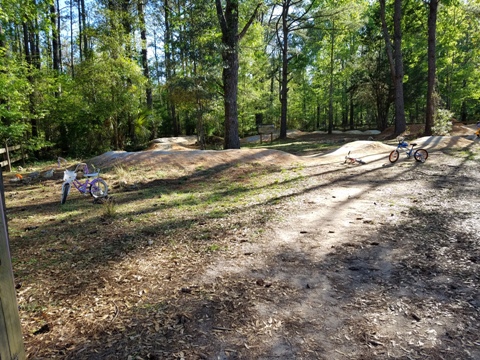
91,174
414,144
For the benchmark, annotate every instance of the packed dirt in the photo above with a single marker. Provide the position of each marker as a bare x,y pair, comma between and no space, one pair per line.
373,261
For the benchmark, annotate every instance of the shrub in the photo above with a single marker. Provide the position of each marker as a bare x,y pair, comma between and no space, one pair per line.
442,124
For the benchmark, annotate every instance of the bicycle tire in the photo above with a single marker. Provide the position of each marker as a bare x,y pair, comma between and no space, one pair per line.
420,155
65,191
394,155
98,188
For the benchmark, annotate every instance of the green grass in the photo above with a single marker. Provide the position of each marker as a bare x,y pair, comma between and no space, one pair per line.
295,147
467,154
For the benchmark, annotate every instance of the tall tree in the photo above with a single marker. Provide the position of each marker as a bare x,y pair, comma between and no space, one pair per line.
144,51
169,65
31,46
228,19
395,59
55,38
293,17
432,31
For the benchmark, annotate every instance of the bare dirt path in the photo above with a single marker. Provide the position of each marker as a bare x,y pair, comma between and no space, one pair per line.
365,262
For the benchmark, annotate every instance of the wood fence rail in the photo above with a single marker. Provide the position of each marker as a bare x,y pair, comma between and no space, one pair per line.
8,160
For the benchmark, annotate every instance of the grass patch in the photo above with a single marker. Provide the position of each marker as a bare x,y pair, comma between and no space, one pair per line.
296,147
467,154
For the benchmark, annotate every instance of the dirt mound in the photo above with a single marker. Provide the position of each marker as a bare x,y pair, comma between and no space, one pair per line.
362,147
193,159
444,142
179,155
169,146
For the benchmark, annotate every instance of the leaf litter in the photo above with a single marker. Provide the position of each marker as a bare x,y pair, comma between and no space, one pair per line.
307,259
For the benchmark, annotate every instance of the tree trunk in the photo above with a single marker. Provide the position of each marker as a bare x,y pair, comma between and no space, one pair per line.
72,65
395,62
400,124
143,36
80,30
284,75
55,39
228,20
59,26
84,30
432,29
229,26
169,68
352,121
330,92
230,88
29,48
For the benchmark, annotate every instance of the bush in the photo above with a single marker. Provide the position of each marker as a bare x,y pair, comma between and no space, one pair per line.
442,124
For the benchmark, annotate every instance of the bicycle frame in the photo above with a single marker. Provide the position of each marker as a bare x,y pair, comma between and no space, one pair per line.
71,178
352,160
420,155
404,146
96,187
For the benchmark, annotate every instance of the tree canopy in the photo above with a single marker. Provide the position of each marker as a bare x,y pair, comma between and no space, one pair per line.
83,76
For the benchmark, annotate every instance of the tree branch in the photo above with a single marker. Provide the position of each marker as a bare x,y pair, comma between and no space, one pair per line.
250,21
221,16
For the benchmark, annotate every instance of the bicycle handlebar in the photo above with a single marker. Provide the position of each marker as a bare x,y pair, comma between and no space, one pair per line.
79,166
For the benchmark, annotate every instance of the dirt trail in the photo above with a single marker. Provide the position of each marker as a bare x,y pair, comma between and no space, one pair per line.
374,261
343,263
360,262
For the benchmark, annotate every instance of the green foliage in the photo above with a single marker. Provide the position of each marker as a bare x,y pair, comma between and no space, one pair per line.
14,99
97,100
442,123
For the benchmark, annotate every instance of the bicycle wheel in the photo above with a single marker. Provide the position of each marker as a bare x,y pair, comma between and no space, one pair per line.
65,191
98,188
421,155
394,155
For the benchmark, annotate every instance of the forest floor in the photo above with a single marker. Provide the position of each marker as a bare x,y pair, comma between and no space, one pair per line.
256,254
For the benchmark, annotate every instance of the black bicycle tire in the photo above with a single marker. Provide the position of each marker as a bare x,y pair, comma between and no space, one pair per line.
421,155
65,191
94,183
394,155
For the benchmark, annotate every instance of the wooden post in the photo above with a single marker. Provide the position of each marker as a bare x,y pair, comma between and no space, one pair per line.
11,340
266,129
23,154
8,158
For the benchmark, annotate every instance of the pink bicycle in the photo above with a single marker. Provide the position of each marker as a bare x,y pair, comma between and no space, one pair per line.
93,185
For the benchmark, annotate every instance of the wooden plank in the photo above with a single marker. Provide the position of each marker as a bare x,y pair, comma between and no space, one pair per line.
10,148
4,346
11,340
8,161
5,163
266,129
15,159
